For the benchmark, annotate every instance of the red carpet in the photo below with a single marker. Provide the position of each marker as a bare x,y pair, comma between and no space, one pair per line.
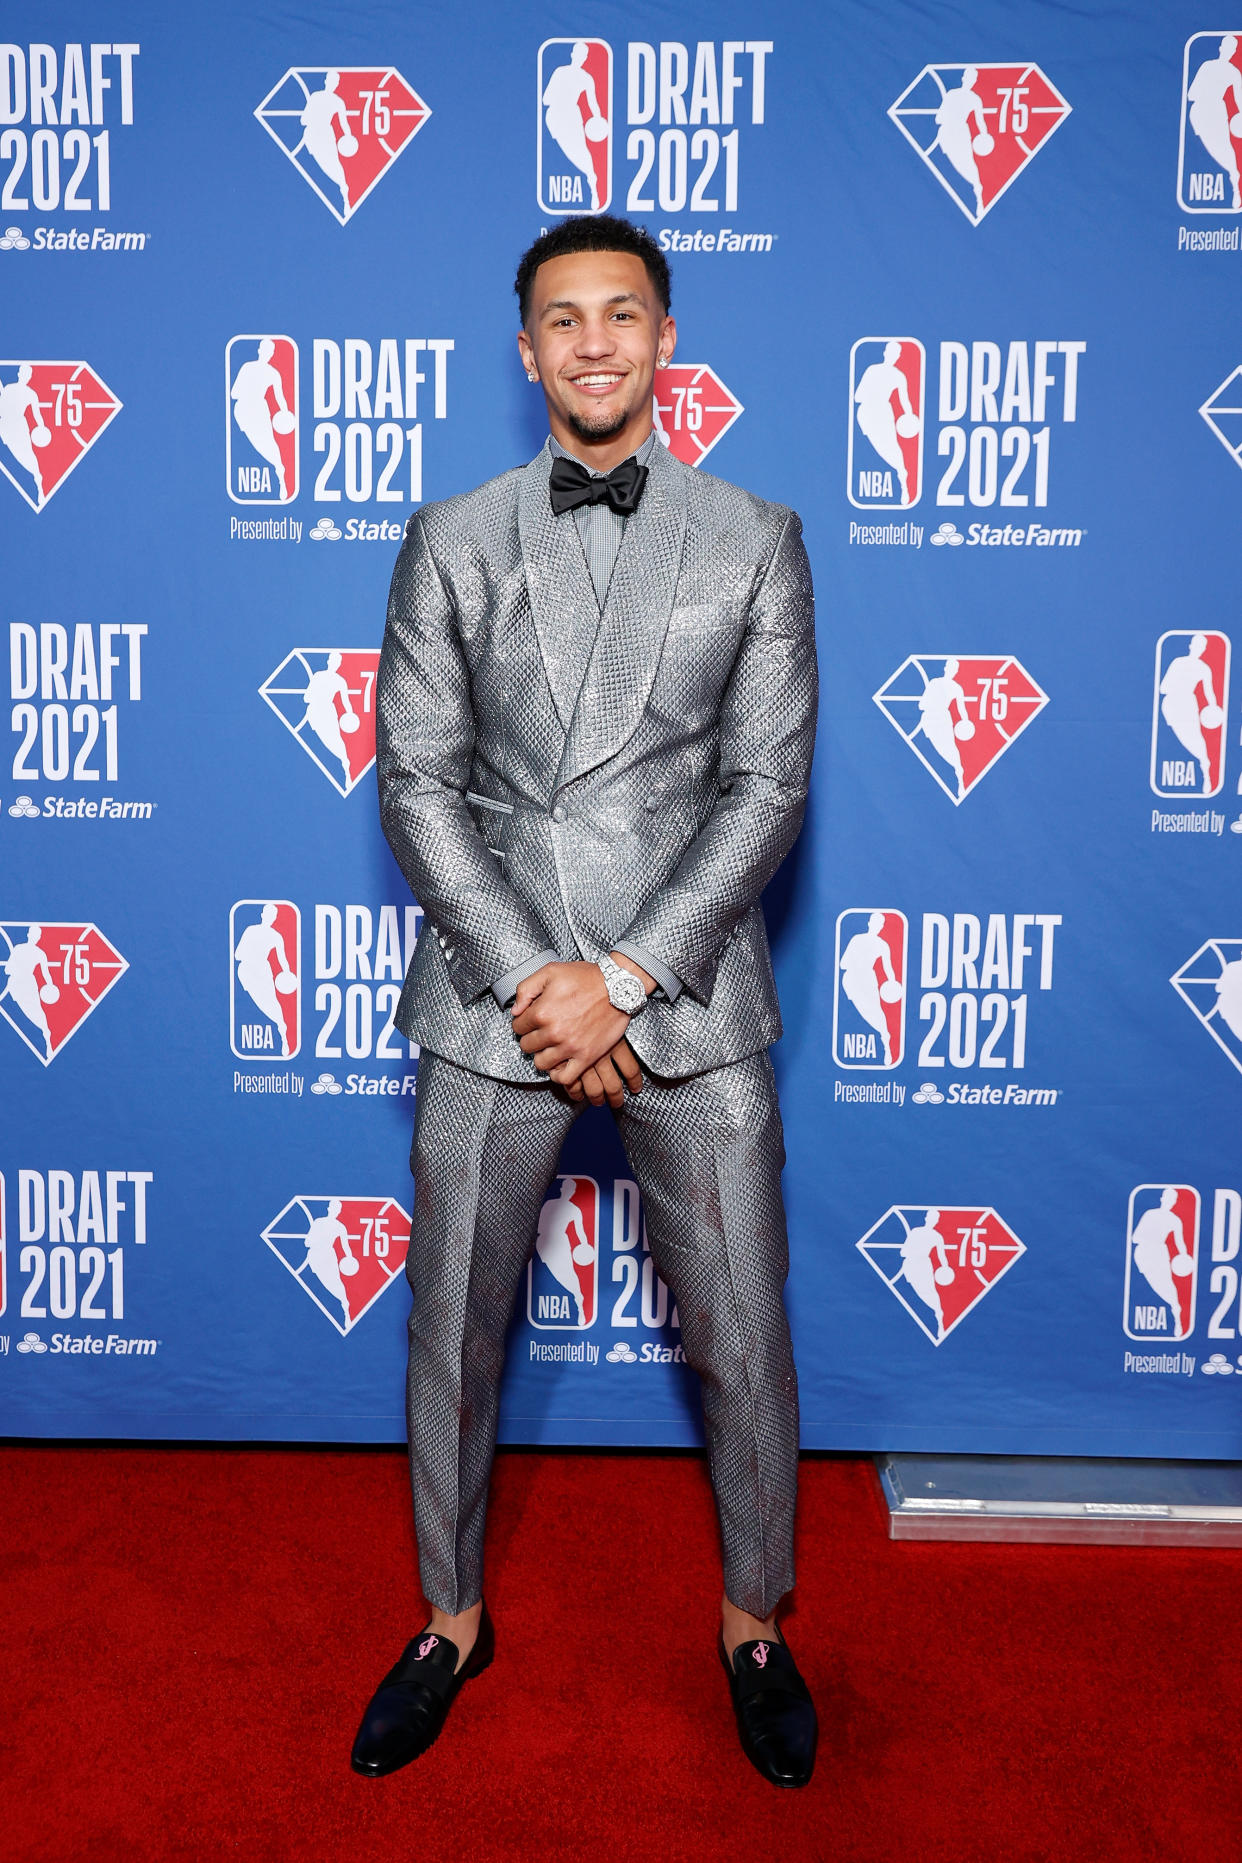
189,1636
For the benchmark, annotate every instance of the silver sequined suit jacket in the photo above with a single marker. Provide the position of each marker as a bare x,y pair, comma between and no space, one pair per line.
553,778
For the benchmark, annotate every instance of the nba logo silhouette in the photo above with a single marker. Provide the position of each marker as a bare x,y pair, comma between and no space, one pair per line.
691,410
1162,1261
1211,140
940,1262
959,713
1210,985
325,698
51,414
342,127
885,452
978,126
261,420
562,1276
869,1004
56,975
574,135
1190,705
343,1252
265,979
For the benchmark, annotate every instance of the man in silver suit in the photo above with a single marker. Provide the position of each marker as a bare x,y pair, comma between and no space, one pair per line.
596,712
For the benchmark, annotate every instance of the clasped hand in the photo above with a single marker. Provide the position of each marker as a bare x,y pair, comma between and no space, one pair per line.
565,1022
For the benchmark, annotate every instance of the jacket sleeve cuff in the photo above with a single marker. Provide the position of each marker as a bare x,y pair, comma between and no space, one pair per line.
670,984
505,988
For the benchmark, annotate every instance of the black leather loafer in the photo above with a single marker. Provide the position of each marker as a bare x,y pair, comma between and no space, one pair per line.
776,1720
411,1704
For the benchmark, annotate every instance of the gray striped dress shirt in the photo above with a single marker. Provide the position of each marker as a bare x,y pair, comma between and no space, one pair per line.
599,526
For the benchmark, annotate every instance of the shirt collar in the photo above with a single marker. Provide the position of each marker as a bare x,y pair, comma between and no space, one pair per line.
643,454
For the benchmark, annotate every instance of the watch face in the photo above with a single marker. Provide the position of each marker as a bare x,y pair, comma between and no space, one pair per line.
629,993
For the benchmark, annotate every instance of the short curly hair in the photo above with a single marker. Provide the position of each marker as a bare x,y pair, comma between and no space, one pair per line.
594,232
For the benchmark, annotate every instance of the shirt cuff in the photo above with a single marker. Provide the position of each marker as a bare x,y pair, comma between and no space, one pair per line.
505,988
670,984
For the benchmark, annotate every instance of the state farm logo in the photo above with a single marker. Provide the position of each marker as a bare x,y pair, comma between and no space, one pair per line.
562,1276
56,975
265,978
978,126
960,713
1211,127
575,125
940,1262
343,127
692,410
51,414
887,375
1189,707
869,1002
324,697
1162,1261
1210,985
343,1252
261,420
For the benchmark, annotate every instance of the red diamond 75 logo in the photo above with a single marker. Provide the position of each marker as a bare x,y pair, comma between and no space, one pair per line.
693,409
939,1262
54,976
325,698
342,127
342,1251
977,126
959,713
51,414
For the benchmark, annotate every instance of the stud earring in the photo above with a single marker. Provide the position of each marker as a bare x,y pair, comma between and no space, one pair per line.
661,362
531,376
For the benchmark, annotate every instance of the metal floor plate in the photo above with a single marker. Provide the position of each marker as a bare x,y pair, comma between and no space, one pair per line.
1074,1500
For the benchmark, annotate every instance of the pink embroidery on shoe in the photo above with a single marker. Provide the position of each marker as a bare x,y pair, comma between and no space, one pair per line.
761,1654
427,1645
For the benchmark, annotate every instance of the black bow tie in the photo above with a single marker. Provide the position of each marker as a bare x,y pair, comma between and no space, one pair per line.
571,485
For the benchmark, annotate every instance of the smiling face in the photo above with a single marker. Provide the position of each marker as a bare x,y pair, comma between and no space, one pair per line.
593,334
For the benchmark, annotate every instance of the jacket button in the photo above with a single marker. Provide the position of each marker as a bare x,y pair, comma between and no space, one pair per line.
652,803
558,813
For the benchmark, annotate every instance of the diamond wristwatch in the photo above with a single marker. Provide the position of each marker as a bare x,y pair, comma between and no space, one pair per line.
625,992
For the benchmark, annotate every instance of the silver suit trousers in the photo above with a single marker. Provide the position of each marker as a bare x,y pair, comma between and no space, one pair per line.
707,1154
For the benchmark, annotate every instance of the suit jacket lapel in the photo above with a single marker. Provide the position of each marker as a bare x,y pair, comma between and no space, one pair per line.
630,635
562,596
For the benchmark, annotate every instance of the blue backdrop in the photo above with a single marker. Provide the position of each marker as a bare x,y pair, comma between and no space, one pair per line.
977,323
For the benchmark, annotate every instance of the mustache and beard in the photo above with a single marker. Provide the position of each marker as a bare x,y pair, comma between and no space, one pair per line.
602,427
606,424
